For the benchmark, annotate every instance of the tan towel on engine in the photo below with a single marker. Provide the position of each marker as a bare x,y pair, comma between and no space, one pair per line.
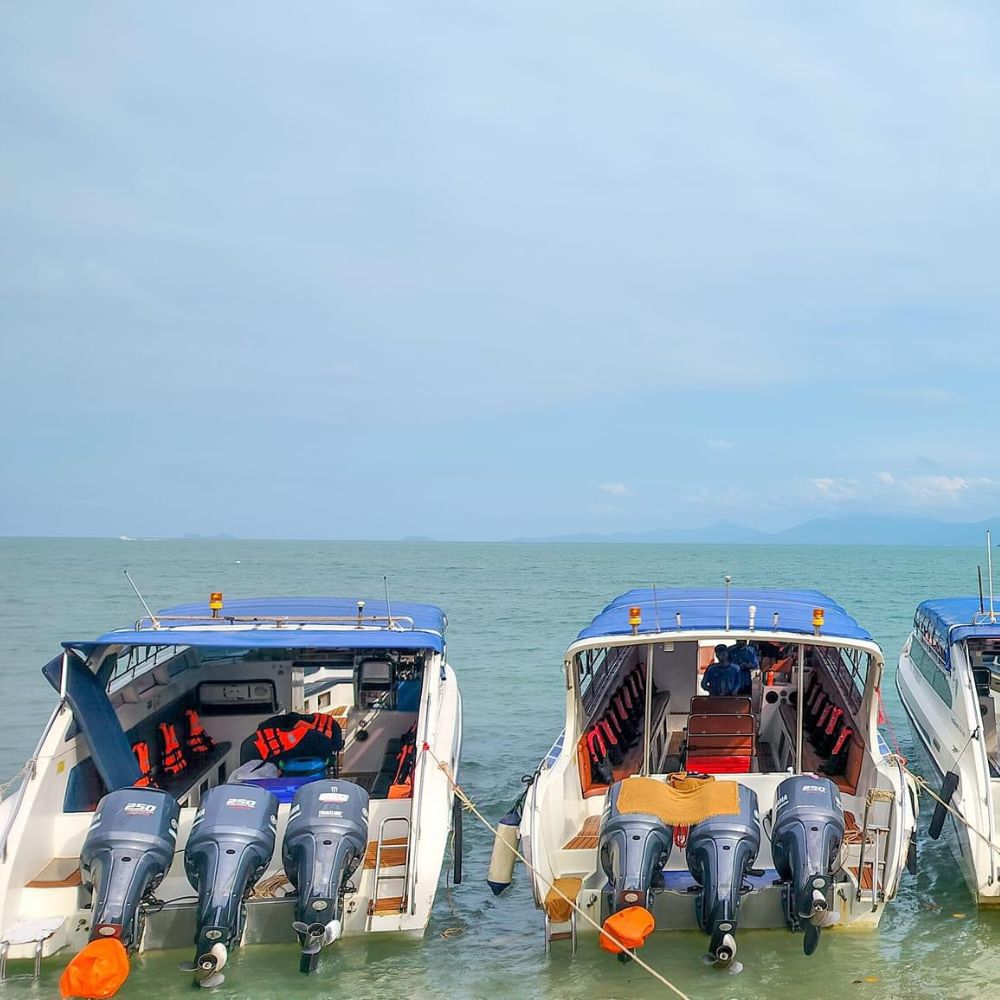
680,801
556,907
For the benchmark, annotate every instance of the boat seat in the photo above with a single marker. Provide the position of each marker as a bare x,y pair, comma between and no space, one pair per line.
706,704
720,744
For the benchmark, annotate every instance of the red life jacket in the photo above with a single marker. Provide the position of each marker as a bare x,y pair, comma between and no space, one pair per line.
404,764
141,751
824,715
273,742
841,740
173,762
323,723
198,740
834,719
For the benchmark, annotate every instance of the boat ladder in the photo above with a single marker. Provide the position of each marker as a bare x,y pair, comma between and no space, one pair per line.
881,841
390,904
551,934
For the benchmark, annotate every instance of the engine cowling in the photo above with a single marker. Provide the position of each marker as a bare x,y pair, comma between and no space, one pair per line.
127,851
806,838
325,841
633,849
719,852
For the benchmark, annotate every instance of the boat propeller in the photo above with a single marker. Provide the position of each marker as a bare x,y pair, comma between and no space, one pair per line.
723,954
314,938
820,917
208,967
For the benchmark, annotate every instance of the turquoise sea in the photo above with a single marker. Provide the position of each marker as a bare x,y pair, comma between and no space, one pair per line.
512,611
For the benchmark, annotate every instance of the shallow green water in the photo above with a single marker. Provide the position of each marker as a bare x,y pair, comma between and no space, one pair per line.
512,610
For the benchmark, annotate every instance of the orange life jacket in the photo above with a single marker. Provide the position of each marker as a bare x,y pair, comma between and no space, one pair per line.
845,733
198,740
141,751
404,766
273,742
323,723
173,756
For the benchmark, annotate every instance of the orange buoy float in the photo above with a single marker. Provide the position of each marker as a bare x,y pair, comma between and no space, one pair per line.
96,972
627,928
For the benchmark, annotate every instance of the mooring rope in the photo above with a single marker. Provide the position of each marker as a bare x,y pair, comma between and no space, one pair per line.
471,807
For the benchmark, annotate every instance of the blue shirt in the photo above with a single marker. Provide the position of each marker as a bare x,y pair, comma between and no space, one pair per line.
745,659
721,679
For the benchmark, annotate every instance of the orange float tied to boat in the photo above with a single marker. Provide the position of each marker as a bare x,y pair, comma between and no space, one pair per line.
97,971
628,928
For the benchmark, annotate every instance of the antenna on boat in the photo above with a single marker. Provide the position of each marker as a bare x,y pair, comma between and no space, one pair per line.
728,580
388,609
656,610
982,606
142,600
989,570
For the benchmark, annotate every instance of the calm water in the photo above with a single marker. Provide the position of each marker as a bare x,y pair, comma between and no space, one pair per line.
513,609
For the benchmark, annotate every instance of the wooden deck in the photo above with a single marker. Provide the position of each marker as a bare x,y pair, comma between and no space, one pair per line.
393,853
59,873
388,905
586,839
866,877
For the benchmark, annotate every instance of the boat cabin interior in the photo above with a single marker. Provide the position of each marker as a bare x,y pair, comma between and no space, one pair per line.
185,719
634,696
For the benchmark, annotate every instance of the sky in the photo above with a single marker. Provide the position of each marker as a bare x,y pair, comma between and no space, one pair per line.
487,270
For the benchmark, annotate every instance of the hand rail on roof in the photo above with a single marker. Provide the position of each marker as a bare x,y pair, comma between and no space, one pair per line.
395,622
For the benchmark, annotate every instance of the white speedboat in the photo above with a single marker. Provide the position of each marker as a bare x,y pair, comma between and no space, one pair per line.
949,683
648,811
225,774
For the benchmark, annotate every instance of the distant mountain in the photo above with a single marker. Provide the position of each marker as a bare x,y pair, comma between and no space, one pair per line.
852,529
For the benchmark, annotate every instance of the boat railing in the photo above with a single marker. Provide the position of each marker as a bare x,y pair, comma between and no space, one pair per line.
392,622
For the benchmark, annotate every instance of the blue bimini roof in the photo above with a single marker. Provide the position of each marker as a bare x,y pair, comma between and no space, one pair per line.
284,623
705,611
957,618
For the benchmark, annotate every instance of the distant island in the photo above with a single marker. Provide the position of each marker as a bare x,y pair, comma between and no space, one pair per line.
855,529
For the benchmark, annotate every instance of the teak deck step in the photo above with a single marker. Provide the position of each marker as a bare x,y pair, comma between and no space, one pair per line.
393,852
387,905
586,839
866,878
58,873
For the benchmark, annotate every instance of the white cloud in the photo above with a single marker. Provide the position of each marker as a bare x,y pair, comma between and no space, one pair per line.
718,444
615,489
831,489
885,477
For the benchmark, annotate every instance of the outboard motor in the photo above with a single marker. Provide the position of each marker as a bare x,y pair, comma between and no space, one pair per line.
720,851
128,849
230,847
325,841
633,849
805,844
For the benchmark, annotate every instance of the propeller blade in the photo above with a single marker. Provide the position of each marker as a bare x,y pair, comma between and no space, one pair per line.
187,966
810,939
217,980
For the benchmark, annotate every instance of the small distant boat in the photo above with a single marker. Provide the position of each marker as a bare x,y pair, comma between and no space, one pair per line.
949,682
774,803
219,774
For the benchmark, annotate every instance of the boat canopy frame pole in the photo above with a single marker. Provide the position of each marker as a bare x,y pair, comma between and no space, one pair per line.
800,709
647,729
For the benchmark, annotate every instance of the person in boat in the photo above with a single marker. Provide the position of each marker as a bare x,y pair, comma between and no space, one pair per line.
721,677
744,657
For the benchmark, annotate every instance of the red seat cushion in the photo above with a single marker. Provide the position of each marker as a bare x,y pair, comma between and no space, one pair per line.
718,765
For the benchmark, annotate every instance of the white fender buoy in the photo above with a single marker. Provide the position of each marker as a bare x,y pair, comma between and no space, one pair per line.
506,841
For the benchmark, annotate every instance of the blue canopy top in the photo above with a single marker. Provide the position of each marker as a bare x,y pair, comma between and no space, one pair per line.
251,624
957,618
705,610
